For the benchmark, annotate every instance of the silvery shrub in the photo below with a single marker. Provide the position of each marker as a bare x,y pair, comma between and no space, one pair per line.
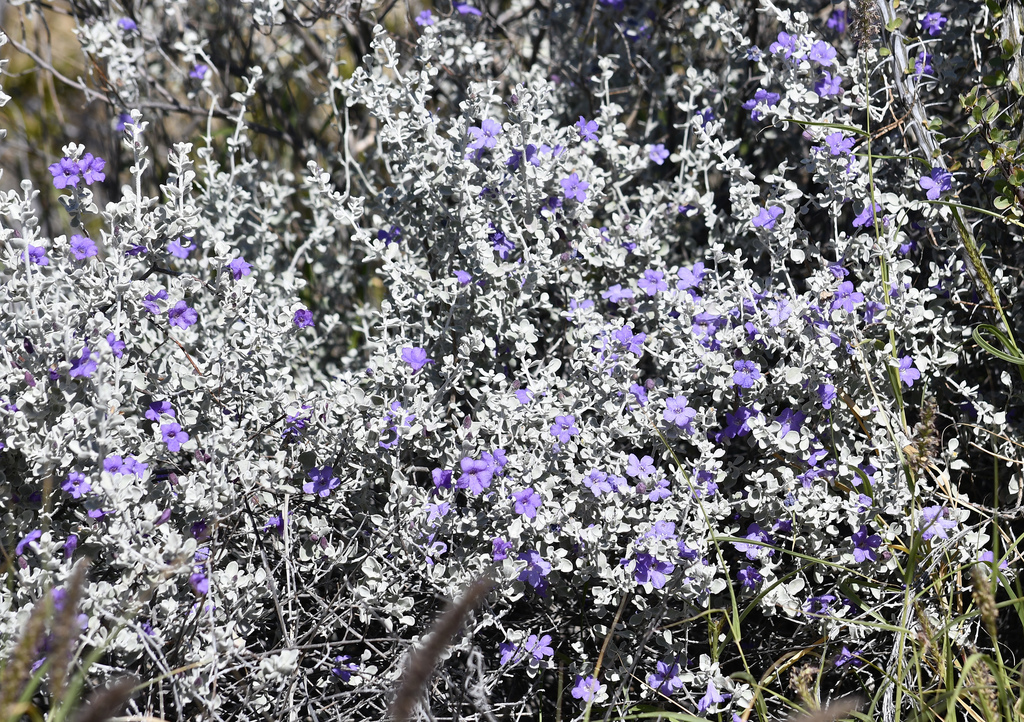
645,310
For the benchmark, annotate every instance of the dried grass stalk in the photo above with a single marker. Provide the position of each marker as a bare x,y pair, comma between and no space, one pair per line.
106,703
66,630
421,663
837,711
18,670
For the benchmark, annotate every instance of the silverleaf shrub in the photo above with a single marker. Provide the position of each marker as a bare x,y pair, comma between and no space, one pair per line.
320,312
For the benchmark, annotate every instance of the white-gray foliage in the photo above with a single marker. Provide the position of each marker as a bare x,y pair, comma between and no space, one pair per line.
565,314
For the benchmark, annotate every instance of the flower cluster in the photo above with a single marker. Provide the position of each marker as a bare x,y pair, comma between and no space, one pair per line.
68,171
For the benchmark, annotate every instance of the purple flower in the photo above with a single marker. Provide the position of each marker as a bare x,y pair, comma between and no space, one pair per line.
761,96
652,281
134,466
639,467
766,217
485,135
157,408
597,482
82,247
749,578
37,255
587,689
127,25
510,653
666,679
845,297
137,250
442,478
389,237
575,188
181,315
122,120
923,64
651,570
837,21
28,540
199,583
179,251
463,277
827,394
634,343
706,116
987,557
937,182
497,460
712,696
500,549
70,544
92,169
758,535
678,413
575,305
466,9
737,423
476,475
342,667
538,647
819,605
933,23
116,346
617,293
239,267
828,85
872,309
908,371
660,491
503,245
198,71
552,204
657,153
847,657
65,173
822,53
536,569
690,277
76,485
424,18
638,391
564,428
786,43
303,318
174,437
867,216
524,396
864,545
746,373
587,129
527,502
83,365
151,298
323,481
934,523
416,357
838,143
